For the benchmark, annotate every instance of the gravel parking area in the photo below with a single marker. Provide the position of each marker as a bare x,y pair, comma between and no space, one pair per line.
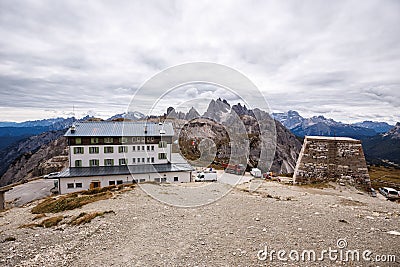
231,231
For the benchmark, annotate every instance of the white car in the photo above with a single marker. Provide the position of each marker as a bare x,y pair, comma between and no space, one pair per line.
206,177
389,193
51,175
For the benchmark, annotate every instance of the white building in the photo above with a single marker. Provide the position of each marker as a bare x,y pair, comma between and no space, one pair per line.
109,153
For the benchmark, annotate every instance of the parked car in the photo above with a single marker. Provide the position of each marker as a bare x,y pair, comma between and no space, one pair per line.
255,172
389,193
372,192
210,176
51,175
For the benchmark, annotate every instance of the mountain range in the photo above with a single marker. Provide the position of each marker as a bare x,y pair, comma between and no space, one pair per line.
319,125
26,147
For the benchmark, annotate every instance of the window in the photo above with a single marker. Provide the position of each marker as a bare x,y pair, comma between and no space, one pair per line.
176,179
108,140
138,160
142,139
133,139
148,160
133,148
122,161
108,162
70,185
78,185
142,180
93,150
138,148
157,180
78,141
163,180
108,149
78,150
119,182
152,159
94,162
152,148
94,140
162,155
162,144
143,148
143,160
78,163
111,182
123,140
148,148
122,149
133,160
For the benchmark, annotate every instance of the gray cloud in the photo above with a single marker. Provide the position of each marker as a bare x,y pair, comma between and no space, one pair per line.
339,58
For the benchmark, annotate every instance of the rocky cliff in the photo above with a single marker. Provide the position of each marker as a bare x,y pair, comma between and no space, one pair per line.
35,156
195,136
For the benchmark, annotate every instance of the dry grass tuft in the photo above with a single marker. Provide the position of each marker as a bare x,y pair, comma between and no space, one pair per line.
53,221
350,202
84,217
69,202
50,222
8,239
321,185
78,199
39,216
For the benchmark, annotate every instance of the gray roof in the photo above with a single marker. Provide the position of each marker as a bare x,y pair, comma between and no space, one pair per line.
119,128
179,165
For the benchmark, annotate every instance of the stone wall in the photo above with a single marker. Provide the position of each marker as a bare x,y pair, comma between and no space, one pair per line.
337,159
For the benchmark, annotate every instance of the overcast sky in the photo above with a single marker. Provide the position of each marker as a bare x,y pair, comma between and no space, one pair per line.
340,59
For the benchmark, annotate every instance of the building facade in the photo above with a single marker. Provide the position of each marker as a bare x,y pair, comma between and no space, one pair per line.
110,153
338,159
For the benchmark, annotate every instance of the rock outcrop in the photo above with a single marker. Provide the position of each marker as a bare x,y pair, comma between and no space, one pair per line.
28,158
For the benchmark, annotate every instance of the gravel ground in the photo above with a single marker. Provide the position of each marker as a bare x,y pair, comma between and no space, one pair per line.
228,232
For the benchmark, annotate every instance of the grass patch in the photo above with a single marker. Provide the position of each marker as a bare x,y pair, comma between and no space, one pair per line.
350,202
384,176
53,221
29,225
50,222
69,202
39,216
321,185
78,199
84,217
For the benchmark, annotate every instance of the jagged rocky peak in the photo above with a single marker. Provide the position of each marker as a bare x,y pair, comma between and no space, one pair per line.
171,113
217,109
242,110
394,133
192,114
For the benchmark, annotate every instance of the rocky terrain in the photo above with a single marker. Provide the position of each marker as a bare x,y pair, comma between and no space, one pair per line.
39,155
137,230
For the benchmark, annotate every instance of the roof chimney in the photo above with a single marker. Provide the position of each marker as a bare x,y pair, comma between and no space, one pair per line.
145,129
73,128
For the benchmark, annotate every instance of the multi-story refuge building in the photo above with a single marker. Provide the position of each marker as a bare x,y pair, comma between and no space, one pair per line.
111,153
339,159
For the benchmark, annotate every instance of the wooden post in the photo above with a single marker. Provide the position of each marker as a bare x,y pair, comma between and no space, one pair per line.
2,201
